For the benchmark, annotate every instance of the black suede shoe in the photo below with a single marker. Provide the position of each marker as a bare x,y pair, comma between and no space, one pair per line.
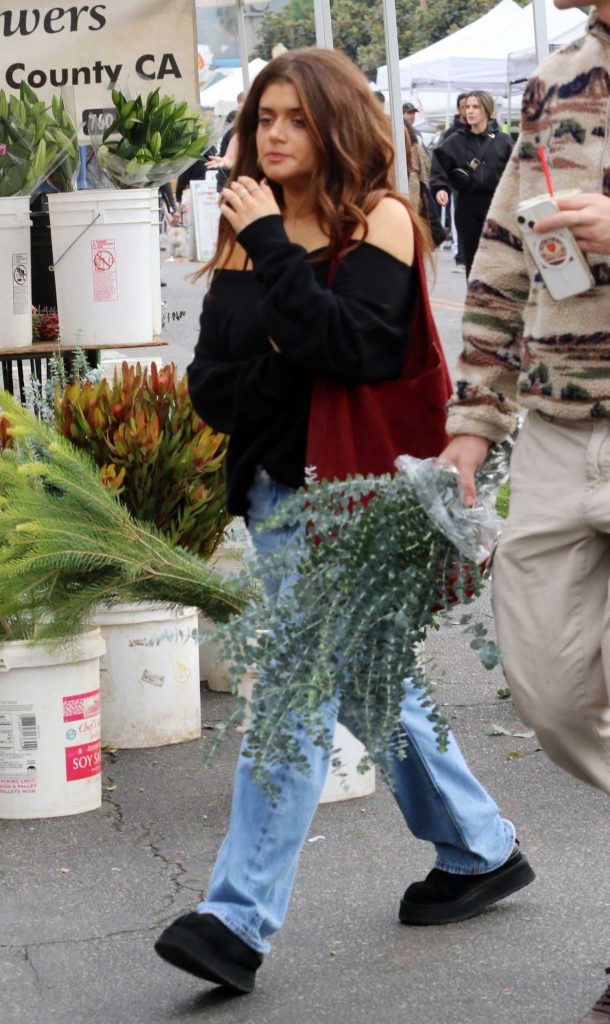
443,898
204,946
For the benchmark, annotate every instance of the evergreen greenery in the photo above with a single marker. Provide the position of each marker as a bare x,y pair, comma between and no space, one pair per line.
373,576
67,545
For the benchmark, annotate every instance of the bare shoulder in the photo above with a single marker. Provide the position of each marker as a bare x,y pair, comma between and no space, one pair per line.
390,228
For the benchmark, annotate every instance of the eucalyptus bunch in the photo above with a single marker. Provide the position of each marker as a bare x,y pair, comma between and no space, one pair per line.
67,545
35,141
148,142
371,573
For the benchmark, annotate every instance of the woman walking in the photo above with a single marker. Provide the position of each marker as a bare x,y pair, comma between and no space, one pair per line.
312,190
470,163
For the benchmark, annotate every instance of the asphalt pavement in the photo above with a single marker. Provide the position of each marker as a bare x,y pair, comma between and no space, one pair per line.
83,897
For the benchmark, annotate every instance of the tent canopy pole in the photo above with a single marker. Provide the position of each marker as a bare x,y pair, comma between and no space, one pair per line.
398,127
324,29
540,30
243,43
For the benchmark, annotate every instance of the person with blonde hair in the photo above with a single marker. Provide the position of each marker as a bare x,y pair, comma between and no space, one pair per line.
470,163
316,275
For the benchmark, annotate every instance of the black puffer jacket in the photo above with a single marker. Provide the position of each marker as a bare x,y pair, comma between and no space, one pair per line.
491,148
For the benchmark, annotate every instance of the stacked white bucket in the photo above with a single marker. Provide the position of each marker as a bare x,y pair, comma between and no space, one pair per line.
50,743
149,675
107,269
15,271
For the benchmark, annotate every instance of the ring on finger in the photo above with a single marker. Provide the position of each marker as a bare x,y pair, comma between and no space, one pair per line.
242,192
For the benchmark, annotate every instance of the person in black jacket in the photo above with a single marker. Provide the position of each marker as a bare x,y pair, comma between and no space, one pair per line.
312,189
470,162
459,119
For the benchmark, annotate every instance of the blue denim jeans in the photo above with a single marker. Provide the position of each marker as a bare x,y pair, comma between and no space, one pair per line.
439,797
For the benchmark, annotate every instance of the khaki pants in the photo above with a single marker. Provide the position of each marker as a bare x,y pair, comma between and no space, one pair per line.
551,591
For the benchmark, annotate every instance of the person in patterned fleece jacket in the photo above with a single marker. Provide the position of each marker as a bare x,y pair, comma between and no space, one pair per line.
551,569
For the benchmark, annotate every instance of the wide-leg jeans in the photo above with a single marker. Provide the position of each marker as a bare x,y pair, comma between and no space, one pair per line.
438,795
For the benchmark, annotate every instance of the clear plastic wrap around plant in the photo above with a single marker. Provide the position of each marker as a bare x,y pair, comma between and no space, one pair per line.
149,141
35,143
62,131
475,530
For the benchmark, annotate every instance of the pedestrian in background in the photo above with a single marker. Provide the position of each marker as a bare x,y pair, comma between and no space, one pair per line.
470,162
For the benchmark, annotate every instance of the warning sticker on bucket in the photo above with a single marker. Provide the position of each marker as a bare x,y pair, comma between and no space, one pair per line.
81,713
19,738
103,265
20,283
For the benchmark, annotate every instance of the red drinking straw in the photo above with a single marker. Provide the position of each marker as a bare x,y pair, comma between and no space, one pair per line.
545,167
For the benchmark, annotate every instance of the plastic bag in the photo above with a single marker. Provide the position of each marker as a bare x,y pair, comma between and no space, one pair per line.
36,141
149,142
475,530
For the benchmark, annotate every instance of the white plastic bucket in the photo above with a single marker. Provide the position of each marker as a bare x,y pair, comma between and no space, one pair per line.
344,783
103,266
149,675
155,251
228,561
50,753
15,271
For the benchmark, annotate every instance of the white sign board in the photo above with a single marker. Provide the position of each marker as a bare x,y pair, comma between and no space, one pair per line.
135,45
205,213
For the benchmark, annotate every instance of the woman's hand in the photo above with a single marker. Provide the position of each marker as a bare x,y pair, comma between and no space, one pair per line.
588,217
442,197
215,163
247,200
467,452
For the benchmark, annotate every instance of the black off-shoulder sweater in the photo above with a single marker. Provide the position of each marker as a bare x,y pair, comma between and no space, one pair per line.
357,332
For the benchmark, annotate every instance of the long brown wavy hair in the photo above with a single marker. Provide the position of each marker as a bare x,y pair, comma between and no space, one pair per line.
352,138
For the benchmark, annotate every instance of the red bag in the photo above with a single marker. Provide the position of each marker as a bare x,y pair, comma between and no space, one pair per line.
363,428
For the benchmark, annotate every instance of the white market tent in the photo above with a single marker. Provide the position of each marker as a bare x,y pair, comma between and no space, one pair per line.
478,55
224,93
562,27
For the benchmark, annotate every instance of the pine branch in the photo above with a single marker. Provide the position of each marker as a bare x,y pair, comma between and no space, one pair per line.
68,544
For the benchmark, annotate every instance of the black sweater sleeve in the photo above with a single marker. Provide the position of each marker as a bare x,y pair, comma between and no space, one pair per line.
223,391
442,162
355,331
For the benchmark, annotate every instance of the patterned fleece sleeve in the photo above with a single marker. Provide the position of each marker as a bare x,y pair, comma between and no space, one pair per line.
487,370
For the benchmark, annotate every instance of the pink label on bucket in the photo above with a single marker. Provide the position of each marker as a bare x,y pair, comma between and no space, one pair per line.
81,705
103,265
83,761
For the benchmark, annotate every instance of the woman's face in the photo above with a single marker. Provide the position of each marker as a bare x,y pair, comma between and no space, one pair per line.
475,115
286,152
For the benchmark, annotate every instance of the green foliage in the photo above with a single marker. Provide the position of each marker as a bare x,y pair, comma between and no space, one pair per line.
152,449
62,131
149,142
372,577
68,545
503,500
35,142
358,26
